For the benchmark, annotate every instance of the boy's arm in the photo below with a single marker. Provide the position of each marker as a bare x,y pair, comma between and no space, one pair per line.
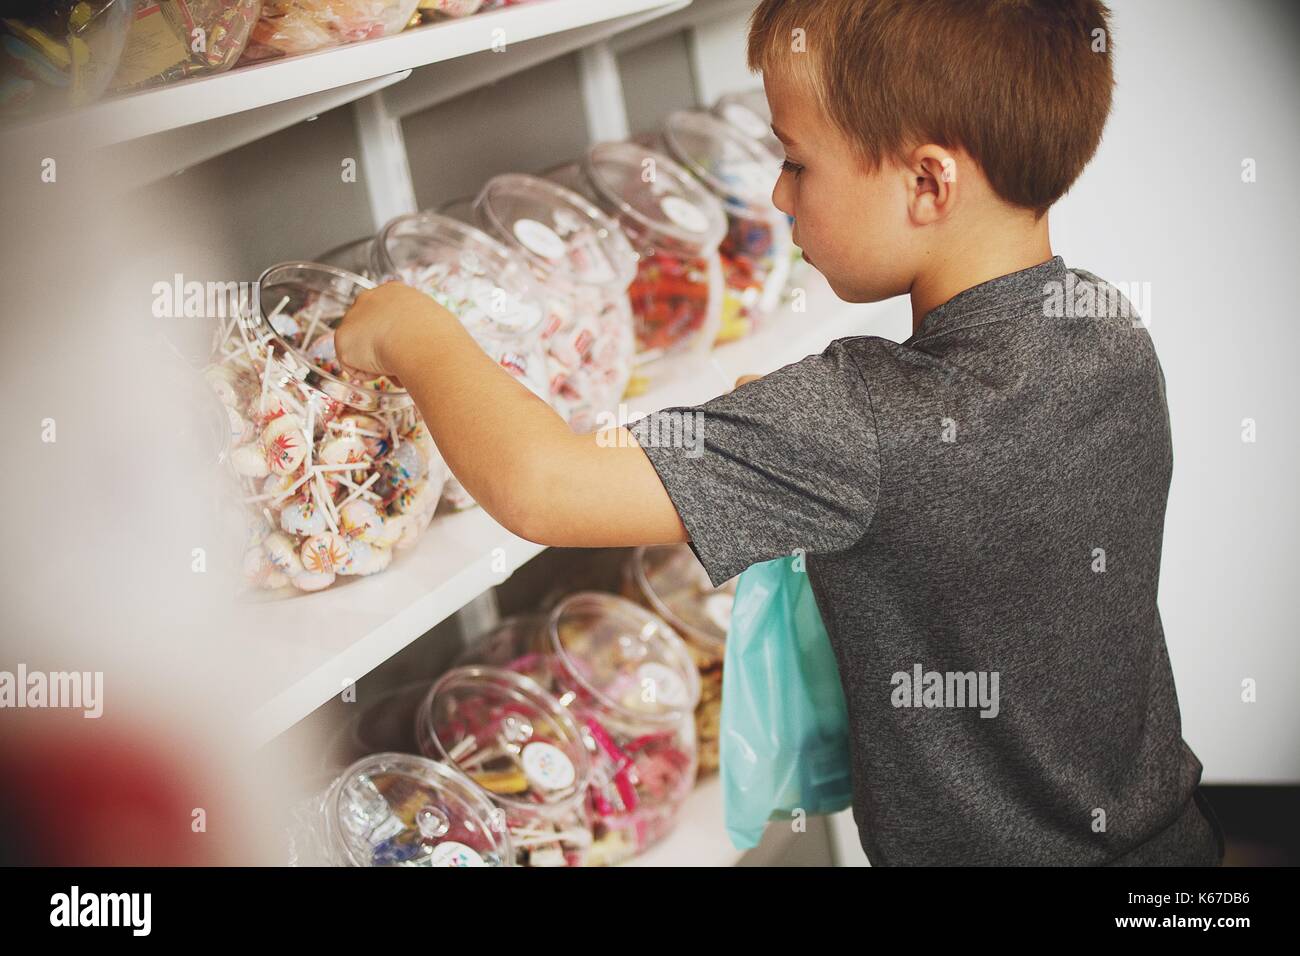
511,451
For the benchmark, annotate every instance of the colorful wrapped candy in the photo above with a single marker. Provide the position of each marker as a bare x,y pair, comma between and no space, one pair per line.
60,55
184,38
337,468
523,748
741,173
675,227
482,283
392,809
632,687
585,265
669,581
288,27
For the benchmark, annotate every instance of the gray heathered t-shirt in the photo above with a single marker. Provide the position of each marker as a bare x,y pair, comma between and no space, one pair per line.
985,498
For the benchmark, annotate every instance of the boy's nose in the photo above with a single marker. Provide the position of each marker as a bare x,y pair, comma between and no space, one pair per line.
781,195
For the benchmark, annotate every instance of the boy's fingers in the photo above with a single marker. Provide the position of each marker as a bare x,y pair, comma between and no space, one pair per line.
746,378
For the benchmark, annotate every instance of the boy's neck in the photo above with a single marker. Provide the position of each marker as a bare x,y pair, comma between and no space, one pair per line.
976,260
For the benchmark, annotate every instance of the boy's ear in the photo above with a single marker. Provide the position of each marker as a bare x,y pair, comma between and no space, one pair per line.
931,184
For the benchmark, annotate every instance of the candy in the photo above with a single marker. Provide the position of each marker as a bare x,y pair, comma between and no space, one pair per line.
280,551
523,750
364,558
361,521
302,517
290,27
250,461
322,475
284,444
628,681
324,553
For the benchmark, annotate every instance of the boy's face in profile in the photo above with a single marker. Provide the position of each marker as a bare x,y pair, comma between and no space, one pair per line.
851,223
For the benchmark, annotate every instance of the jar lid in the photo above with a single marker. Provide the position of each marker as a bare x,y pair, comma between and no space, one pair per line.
656,195
626,658
678,589
737,169
516,644
749,112
556,230
467,271
297,306
394,809
508,735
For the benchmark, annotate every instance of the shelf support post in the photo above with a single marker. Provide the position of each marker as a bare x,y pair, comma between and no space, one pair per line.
602,93
384,165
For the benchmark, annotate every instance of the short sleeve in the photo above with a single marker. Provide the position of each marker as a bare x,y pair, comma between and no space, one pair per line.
789,461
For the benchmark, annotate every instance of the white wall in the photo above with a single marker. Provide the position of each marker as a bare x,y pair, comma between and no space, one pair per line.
1203,85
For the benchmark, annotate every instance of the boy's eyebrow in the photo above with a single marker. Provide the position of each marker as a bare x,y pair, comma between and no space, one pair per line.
782,137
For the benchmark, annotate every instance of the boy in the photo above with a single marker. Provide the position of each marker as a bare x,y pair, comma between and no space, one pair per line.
984,499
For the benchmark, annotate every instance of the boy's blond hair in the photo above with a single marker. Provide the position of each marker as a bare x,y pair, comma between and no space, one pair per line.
1022,86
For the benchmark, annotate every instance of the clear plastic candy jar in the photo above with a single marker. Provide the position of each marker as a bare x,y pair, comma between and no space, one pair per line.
523,748
675,227
162,47
741,173
288,27
482,283
632,686
749,112
337,469
668,580
356,256
585,265
392,809
62,55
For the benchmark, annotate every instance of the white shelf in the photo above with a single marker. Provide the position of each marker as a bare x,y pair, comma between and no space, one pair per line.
299,78
309,647
700,837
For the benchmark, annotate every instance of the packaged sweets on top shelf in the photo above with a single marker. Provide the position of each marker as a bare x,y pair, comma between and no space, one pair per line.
435,10
184,38
741,173
585,265
669,580
392,809
288,27
482,283
674,226
356,256
337,469
523,748
632,687
60,55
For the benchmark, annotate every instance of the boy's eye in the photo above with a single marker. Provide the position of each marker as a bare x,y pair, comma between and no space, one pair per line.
790,167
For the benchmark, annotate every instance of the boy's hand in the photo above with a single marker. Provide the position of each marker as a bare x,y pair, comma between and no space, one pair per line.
744,379
376,322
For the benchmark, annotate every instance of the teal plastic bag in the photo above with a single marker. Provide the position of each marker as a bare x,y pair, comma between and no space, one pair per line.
784,737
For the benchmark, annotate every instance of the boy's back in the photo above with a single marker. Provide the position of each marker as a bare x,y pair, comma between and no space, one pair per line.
983,523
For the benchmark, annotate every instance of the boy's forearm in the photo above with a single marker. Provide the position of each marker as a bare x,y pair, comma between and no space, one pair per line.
488,426
515,455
